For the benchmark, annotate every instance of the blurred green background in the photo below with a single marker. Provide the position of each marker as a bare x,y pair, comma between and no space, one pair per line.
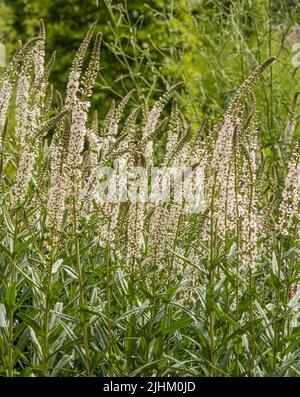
148,45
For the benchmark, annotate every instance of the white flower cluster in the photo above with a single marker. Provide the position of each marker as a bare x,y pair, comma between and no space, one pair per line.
289,208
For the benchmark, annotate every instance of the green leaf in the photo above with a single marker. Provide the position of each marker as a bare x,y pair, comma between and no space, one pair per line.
275,268
31,322
179,324
3,321
10,295
57,265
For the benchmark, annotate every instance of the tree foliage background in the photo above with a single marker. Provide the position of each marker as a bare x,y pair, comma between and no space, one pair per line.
210,45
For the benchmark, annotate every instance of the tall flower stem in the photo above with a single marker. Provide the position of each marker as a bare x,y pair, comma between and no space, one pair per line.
152,305
46,315
287,328
251,321
211,280
11,306
251,284
167,316
131,343
108,309
237,220
277,311
82,302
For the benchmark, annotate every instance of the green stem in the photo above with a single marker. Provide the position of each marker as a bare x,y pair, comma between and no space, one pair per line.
46,316
11,308
167,317
211,280
236,190
277,307
131,344
251,321
153,306
82,303
108,311
288,289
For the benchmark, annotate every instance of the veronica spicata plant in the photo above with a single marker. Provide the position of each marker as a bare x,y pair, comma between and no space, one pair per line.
137,245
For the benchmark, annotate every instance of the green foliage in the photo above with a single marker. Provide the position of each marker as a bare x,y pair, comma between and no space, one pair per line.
70,306
128,60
